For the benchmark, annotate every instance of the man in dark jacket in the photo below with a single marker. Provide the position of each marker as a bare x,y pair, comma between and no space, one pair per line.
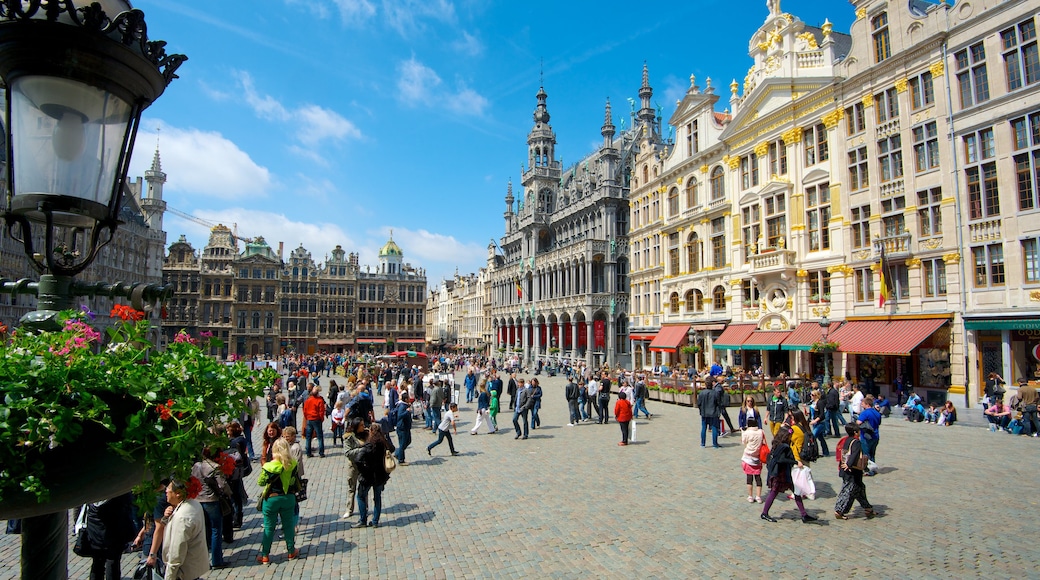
776,408
524,402
708,404
511,390
571,394
832,402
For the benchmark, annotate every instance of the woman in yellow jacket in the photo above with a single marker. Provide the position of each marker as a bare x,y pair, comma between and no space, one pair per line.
799,427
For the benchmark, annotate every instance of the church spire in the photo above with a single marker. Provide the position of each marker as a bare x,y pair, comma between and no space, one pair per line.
608,127
646,111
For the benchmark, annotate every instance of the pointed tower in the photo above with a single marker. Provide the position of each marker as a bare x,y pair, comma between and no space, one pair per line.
152,204
542,179
508,215
607,130
646,115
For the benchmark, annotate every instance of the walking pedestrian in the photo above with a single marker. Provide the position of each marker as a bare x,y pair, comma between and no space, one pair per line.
403,426
536,394
781,460
522,406
356,434
448,421
493,406
483,404
623,414
640,392
279,480
370,459
314,413
570,393
603,399
708,405
852,488
184,531
753,439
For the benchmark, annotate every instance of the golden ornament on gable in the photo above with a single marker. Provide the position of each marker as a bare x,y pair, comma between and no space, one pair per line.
901,85
809,39
761,149
936,69
868,100
952,258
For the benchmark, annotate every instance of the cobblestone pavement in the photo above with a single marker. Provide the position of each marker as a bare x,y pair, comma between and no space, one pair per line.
570,503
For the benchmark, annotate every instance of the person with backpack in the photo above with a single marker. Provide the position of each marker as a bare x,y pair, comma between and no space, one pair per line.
243,468
869,421
832,406
781,460
776,409
850,467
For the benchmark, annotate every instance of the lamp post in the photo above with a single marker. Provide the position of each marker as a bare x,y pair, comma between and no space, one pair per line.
75,82
825,327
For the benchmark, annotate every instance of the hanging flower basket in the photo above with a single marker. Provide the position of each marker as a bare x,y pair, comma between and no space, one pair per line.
690,349
83,419
824,347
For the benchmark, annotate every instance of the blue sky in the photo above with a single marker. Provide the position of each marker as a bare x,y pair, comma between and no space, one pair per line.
335,122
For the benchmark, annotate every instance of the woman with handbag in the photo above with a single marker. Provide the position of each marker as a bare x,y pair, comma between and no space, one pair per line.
280,479
356,434
214,486
370,459
781,459
853,463
110,527
751,462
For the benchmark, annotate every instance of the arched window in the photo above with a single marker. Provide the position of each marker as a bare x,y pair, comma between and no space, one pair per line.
646,174
718,186
256,320
673,202
269,324
693,253
691,193
694,301
673,302
718,298
241,319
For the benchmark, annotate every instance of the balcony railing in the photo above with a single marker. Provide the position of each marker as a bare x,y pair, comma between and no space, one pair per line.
772,259
985,231
897,245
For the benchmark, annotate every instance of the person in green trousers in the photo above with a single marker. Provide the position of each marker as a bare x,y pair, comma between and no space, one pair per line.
280,480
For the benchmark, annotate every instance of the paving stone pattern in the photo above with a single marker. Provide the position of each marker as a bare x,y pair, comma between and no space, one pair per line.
570,503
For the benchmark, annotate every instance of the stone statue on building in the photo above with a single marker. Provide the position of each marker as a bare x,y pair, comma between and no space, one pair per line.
774,7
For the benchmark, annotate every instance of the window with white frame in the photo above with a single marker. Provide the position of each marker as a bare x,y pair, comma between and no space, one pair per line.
673,202
864,281
673,254
657,296
778,158
718,298
1031,260
820,285
776,219
981,175
886,105
635,256
861,226
922,94
718,184
657,249
897,277
859,177
1021,60
926,147
694,301
818,215
749,291
693,253
890,158
882,46
989,265
1026,131
718,242
691,138
751,227
929,212
892,220
815,142
934,272
673,303
749,171
655,207
855,120
692,199
972,79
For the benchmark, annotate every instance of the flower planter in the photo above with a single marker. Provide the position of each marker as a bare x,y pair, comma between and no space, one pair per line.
667,397
735,400
687,399
654,395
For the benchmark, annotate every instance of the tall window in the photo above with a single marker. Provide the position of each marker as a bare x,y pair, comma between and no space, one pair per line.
694,301
657,250
886,104
718,242
983,194
859,178
892,219
751,227
673,202
929,214
635,256
818,215
882,47
1021,61
693,253
673,255
718,188
972,80
673,303
934,271
890,158
655,207
691,138
776,219
926,147
861,226
1027,160
691,193
989,265
748,171
778,158
815,140
820,284
1031,258
855,120
921,92
718,298
864,279
898,280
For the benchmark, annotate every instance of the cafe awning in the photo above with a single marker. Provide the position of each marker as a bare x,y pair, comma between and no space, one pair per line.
885,337
765,339
670,337
734,336
807,333
642,337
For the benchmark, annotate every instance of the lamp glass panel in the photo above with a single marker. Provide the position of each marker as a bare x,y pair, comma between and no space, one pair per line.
67,138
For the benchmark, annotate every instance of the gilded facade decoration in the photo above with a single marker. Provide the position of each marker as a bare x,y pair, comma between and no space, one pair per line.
952,258
831,120
792,136
868,100
901,85
913,263
937,69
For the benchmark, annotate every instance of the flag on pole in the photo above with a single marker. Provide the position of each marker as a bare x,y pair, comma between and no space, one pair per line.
883,294
519,289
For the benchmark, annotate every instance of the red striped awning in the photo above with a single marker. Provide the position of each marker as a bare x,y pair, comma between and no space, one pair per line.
670,337
371,341
806,334
885,337
642,337
734,336
766,339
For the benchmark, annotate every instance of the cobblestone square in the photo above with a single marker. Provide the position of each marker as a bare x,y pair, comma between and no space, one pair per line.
569,503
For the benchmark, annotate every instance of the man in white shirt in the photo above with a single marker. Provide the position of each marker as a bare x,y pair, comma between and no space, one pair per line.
856,404
447,422
592,398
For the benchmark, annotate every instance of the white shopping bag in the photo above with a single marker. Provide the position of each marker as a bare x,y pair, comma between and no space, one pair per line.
803,482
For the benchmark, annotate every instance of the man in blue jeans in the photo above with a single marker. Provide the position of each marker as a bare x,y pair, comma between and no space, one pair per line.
832,405
708,404
870,428
524,402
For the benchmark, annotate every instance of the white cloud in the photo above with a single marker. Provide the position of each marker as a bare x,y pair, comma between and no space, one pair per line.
200,163
408,17
352,12
468,45
418,84
315,124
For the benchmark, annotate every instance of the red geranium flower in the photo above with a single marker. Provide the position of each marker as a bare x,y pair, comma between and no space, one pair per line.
194,486
227,464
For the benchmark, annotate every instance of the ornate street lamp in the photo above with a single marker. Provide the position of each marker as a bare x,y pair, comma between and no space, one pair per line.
75,82
825,327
